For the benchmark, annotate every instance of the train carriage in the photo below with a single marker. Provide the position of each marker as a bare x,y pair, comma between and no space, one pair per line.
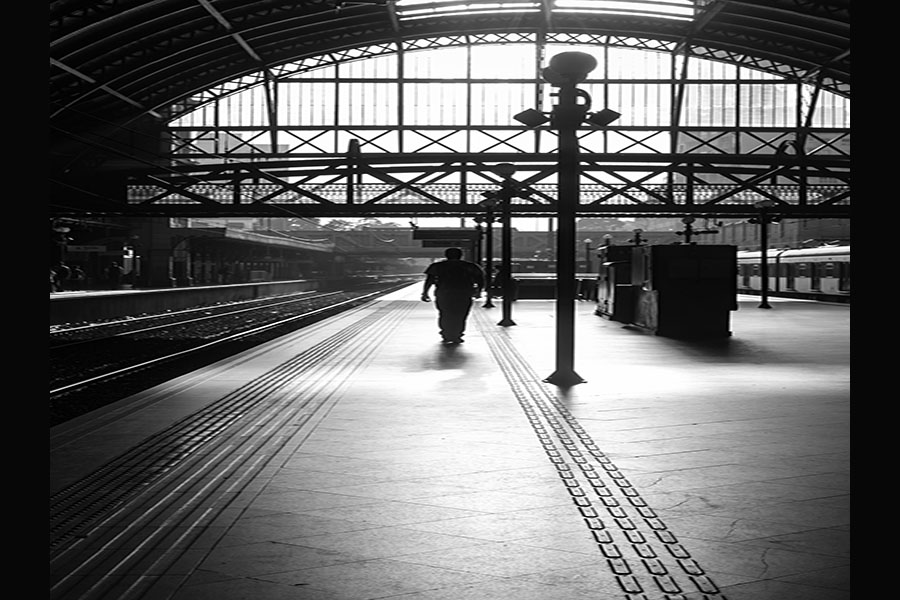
821,273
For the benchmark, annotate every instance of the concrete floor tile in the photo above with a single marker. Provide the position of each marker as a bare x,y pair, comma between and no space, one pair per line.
284,526
385,542
508,526
409,489
494,501
828,541
379,578
285,500
509,589
388,513
780,590
726,529
265,558
247,589
760,563
586,581
503,559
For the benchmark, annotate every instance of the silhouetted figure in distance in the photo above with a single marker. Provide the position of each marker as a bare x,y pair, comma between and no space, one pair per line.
456,282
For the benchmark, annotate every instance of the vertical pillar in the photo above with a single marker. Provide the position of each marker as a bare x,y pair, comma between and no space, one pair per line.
489,259
506,254
568,114
764,260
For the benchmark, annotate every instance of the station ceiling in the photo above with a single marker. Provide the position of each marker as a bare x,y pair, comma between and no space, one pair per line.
114,63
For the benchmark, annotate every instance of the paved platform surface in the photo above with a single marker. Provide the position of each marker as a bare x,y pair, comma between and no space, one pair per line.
677,470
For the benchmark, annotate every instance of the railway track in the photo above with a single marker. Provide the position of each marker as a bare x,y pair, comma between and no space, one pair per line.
92,365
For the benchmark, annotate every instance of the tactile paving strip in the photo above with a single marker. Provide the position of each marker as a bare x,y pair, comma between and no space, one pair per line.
645,558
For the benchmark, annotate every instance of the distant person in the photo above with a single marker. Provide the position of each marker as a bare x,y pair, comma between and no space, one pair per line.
499,282
114,274
63,272
456,282
78,278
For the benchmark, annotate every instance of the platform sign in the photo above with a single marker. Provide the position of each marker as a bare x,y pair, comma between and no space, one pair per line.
83,248
443,243
453,235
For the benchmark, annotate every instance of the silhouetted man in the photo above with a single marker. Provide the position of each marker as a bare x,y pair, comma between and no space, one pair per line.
456,282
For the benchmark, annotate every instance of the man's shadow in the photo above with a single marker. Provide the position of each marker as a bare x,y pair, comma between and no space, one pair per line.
450,356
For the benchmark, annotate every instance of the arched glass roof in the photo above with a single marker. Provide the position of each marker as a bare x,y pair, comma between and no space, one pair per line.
672,9
295,85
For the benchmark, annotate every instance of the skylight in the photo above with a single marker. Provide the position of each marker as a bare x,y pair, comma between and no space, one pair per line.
665,9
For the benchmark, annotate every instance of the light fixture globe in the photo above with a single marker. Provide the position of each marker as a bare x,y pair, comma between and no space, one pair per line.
569,67
505,170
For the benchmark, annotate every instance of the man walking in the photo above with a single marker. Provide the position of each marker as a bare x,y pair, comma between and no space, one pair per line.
456,282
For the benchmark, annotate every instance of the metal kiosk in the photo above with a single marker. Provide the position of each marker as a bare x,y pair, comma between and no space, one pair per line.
687,291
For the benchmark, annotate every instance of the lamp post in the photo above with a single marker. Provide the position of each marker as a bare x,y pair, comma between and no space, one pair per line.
488,257
565,71
505,195
764,219
587,255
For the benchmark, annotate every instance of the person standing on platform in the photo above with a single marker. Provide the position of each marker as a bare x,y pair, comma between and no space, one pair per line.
63,272
114,275
78,278
456,283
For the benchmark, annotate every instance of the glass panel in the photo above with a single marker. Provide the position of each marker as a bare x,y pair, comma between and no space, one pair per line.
638,103
443,63
246,108
496,103
632,63
367,103
699,68
378,67
306,103
514,61
831,110
708,105
435,104
768,105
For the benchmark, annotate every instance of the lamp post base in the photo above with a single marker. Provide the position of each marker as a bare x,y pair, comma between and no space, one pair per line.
506,322
565,378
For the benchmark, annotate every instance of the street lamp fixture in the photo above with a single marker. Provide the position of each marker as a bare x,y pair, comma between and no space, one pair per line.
489,203
764,219
503,197
532,118
603,118
572,110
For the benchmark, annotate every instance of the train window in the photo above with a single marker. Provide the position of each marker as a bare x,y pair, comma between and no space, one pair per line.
815,276
790,276
844,277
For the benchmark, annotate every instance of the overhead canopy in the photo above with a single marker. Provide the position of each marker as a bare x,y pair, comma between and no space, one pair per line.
116,61
121,69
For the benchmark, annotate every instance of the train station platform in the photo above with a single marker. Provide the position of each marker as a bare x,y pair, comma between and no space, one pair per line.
360,459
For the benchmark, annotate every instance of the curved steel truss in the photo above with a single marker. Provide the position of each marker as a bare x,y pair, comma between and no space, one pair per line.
123,74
